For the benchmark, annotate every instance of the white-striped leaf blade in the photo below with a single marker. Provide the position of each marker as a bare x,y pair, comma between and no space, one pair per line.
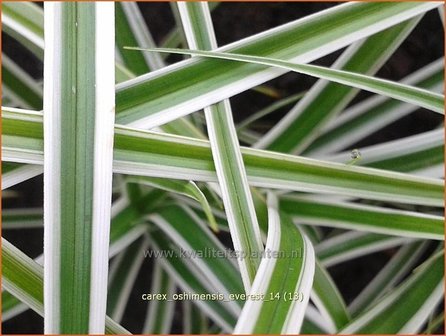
423,98
287,268
229,166
159,317
23,277
405,309
157,98
78,127
325,100
146,153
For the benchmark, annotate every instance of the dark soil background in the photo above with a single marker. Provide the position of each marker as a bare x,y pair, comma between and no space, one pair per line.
234,21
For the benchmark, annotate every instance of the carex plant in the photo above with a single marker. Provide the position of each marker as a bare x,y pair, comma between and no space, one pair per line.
238,228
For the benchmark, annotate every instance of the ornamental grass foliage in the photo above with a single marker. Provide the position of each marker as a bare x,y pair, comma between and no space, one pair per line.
247,168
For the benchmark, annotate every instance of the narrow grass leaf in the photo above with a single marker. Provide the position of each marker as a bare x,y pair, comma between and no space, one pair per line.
229,166
417,153
325,295
157,98
422,98
177,222
314,324
152,154
159,315
19,174
136,63
174,39
11,306
78,126
190,279
23,277
379,17
20,86
372,114
277,277
364,218
124,229
327,99
24,22
131,28
128,222
351,244
406,309
268,110
387,278
186,188
122,278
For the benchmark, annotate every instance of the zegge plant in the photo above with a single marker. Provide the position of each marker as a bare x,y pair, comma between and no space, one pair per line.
137,167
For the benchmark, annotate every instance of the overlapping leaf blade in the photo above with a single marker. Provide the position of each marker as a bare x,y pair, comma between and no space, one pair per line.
226,153
406,309
367,218
374,113
157,98
326,99
416,96
160,155
159,316
24,277
281,289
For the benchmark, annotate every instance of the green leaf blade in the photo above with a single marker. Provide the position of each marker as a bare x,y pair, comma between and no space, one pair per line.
325,99
155,99
159,155
79,98
423,98
226,154
405,309
279,275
